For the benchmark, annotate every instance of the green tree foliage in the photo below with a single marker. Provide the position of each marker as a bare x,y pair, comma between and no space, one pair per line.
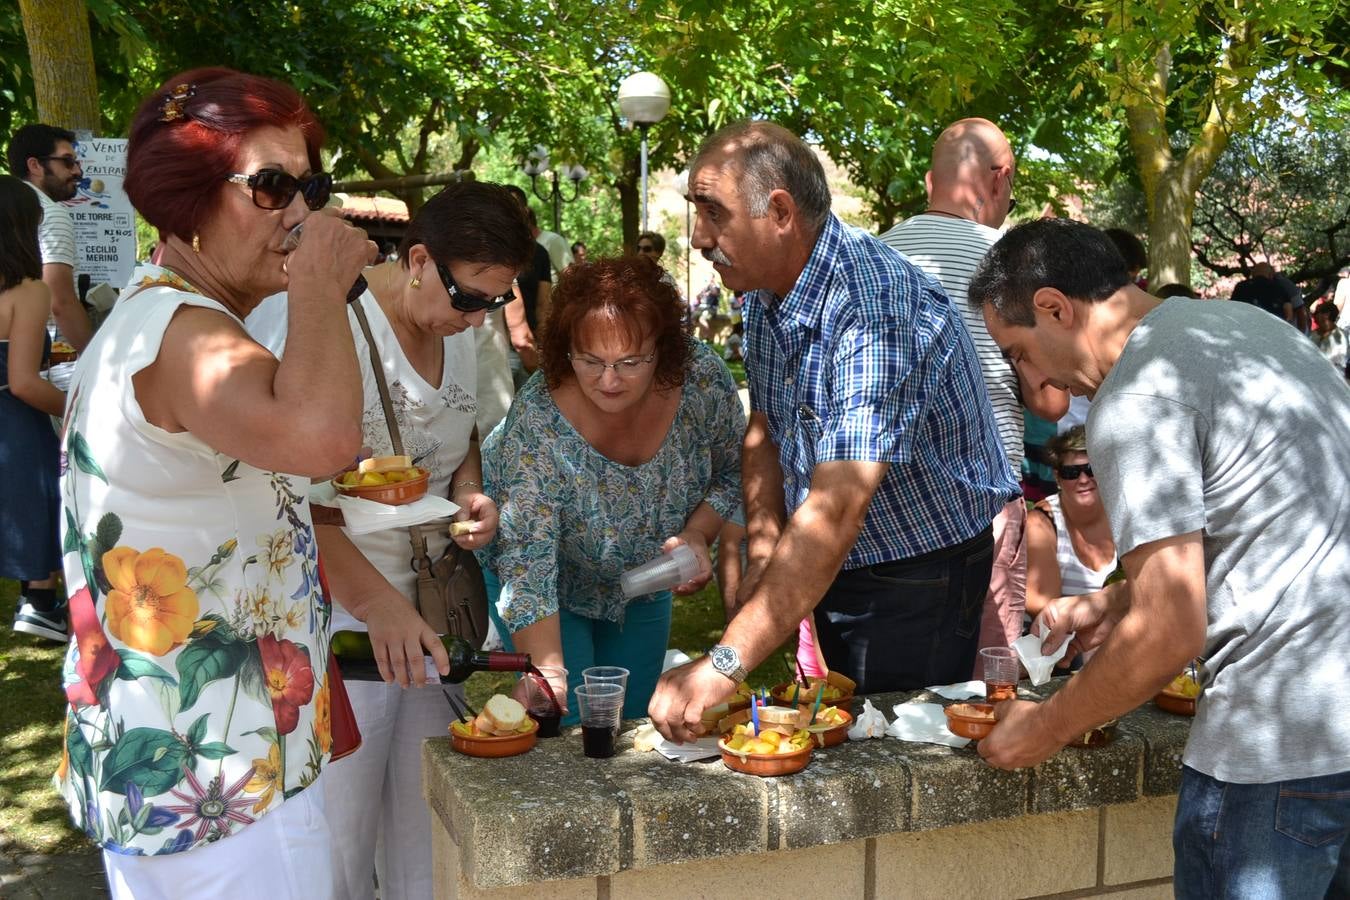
1188,76
1281,197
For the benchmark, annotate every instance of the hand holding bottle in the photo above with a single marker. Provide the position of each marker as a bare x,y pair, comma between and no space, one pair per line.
401,642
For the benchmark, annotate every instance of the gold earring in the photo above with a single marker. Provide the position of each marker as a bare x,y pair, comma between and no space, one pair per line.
196,243
416,282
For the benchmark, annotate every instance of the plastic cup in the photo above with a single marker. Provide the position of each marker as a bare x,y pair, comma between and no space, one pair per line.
606,675
1000,673
673,567
600,707
539,702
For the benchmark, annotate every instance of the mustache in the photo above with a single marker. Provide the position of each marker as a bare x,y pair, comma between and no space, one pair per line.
714,254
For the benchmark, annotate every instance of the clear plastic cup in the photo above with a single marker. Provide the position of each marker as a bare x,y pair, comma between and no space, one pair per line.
676,566
606,675
600,707
1000,673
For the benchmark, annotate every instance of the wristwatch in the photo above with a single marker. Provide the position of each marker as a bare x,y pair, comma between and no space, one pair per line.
727,661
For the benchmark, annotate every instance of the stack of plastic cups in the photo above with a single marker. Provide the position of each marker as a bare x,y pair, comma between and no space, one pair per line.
671,568
600,707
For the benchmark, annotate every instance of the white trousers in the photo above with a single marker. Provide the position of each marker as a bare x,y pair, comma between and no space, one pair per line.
379,817
285,855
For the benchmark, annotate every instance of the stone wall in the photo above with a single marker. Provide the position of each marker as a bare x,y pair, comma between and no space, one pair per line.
872,819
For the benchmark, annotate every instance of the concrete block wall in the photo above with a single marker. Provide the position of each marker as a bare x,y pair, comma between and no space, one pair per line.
1123,851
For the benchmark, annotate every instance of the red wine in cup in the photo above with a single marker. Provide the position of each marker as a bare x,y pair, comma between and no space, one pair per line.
548,721
597,741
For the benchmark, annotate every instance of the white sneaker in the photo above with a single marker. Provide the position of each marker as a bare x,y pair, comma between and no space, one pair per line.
51,624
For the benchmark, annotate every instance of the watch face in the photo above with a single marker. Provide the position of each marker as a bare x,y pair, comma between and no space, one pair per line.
724,659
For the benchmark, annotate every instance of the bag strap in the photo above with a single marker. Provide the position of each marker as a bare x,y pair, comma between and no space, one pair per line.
420,561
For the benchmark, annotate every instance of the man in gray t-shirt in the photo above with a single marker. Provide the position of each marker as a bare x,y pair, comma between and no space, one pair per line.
1220,438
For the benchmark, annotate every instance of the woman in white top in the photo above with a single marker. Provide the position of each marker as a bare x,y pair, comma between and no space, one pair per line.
199,706
1070,550
456,263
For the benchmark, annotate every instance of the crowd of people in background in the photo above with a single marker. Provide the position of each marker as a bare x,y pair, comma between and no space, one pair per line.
950,435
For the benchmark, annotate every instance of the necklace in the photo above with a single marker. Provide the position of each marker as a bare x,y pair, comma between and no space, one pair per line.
943,212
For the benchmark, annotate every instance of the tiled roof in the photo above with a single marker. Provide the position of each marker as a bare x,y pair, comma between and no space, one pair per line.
374,209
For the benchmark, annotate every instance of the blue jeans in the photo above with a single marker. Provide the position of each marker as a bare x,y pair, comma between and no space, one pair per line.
1284,840
908,624
639,645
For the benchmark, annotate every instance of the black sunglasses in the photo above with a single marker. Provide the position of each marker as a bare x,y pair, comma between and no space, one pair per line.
275,189
1071,473
466,302
70,161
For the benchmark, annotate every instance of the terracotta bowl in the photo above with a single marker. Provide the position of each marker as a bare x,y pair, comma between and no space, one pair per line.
493,746
765,765
834,735
970,720
396,494
61,355
782,693
1175,703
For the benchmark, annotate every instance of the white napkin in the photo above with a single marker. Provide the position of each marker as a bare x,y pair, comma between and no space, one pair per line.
674,658
871,723
925,723
1038,665
365,516
703,748
962,690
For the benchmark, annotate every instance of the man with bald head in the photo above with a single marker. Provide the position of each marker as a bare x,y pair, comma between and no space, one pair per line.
969,196
872,467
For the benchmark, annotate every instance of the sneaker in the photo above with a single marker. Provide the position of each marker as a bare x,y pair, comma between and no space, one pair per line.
52,624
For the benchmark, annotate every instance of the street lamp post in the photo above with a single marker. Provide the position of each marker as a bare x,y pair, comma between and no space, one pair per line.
644,100
536,164
682,185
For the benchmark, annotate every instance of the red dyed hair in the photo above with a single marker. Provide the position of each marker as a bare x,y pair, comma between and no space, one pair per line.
177,169
630,294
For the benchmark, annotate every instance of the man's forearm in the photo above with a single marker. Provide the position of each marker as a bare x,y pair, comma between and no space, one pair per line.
762,485
70,316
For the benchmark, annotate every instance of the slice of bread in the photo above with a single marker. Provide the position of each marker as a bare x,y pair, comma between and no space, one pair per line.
503,714
384,464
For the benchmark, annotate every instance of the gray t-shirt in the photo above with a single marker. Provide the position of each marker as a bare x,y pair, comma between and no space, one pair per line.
1221,418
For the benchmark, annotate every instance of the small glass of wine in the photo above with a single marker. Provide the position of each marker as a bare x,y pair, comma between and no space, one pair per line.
1000,673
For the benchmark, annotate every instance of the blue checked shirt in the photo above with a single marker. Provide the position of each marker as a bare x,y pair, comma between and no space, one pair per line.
866,359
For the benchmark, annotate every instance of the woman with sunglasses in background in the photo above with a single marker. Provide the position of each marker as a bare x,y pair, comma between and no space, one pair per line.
198,724
1070,550
456,263
624,445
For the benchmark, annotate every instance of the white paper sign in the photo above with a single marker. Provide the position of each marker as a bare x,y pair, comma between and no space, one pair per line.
105,223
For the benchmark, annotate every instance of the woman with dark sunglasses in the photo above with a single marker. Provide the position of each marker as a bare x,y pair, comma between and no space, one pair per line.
457,261
198,725
1070,550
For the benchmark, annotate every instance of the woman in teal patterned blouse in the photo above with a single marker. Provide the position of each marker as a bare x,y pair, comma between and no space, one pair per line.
624,445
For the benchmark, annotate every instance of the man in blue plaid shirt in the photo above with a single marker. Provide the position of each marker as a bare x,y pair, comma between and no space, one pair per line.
872,466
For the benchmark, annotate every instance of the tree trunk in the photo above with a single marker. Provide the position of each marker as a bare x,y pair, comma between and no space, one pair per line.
629,184
62,57
1169,231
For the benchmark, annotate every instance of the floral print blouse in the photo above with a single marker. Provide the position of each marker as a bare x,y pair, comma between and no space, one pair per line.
572,520
198,699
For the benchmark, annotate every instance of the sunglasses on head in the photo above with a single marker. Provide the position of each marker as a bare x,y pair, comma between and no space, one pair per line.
1071,473
275,189
466,302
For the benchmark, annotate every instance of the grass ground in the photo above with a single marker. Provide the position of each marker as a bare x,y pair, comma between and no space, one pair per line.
33,817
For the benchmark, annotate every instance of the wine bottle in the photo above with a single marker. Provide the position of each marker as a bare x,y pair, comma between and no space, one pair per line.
356,658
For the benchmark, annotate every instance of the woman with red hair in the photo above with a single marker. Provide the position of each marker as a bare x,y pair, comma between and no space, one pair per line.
627,443
199,717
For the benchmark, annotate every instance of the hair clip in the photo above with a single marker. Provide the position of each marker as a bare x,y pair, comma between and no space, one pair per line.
171,110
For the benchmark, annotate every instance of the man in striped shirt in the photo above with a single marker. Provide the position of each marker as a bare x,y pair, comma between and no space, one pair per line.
969,197
872,467
44,156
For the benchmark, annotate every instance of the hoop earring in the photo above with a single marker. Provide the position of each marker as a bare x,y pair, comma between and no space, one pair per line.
196,243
